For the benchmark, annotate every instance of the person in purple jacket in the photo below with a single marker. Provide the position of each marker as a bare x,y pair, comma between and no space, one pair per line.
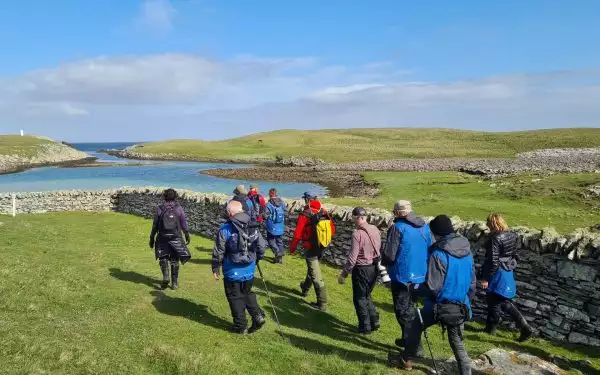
166,240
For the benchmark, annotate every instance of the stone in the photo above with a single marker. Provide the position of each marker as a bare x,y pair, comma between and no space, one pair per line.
572,314
527,303
501,362
578,338
576,271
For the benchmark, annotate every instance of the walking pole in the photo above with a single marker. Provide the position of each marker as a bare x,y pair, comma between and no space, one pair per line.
270,300
427,339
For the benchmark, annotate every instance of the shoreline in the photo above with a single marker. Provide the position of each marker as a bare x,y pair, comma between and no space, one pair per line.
61,164
338,183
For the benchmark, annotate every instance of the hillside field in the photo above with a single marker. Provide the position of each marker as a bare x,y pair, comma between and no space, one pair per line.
348,145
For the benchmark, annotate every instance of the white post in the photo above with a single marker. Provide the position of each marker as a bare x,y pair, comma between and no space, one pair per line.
14,205
21,132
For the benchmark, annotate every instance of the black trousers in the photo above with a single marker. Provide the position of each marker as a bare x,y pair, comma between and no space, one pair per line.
404,306
363,282
241,298
498,304
414,345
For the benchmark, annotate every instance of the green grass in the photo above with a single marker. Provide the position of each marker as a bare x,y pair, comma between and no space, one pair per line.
26,146
347,145
530,200
79,297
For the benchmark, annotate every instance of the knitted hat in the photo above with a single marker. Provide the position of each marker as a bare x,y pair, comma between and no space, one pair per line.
309,195
253,186
240,189
441,226
402,208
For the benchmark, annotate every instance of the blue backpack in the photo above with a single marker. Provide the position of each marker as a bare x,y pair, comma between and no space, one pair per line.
277,214
276,219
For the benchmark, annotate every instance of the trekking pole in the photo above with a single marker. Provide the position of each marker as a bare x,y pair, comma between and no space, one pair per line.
427,339
270,300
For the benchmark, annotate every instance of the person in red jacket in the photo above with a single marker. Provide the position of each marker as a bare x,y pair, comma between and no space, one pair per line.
258,201
314,251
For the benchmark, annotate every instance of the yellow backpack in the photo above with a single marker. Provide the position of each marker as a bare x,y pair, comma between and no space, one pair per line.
322,229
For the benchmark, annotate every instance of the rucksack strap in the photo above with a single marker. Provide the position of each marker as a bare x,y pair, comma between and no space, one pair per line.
377,251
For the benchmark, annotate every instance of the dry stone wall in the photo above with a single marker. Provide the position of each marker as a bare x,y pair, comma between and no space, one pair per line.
558,276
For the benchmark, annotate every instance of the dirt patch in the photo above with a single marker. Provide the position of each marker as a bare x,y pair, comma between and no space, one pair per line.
339,183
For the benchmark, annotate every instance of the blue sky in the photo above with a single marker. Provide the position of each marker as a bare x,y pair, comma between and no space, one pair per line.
129,69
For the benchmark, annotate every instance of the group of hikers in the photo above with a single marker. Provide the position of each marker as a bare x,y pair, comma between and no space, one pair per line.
428,262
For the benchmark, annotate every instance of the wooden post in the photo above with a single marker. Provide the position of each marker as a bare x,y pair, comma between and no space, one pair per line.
21,132
14,202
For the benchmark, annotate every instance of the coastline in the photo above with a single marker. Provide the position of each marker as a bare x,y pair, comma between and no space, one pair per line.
75,163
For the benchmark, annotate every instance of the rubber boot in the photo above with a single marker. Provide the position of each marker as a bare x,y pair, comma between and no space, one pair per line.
524,327
164,268
174,275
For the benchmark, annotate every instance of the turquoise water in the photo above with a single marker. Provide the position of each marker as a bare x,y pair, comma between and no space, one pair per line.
182,175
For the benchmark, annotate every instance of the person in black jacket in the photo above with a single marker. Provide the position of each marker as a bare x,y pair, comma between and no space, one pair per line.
497,276
169,222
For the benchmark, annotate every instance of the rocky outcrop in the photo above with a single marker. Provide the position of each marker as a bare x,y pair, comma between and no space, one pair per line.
49,153
558,275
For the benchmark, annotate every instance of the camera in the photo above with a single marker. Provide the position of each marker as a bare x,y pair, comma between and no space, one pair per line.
383,275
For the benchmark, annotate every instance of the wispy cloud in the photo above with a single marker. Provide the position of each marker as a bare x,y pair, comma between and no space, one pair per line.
156,15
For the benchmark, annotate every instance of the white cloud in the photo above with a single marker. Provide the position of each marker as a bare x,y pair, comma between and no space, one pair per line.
156,15
123,97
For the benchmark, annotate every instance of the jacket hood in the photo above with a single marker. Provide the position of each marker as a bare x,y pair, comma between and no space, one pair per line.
241,219
412,219
455,245
315,206
171,204
276,201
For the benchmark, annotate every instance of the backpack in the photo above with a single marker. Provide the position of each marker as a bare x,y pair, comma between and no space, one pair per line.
169,220
246,237
321,229
252,210
277,214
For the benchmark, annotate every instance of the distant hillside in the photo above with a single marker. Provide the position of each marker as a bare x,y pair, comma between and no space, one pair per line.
346,145
18,153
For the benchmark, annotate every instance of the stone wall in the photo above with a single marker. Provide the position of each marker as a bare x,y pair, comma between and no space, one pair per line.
558,276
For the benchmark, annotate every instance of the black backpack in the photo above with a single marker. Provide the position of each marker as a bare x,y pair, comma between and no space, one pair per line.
246,237
169,220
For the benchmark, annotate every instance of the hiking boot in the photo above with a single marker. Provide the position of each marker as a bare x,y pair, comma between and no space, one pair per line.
257,324
242,332
363,331
278,260
174,275
491,329
405,364
318,306
303,290
375,326
526,333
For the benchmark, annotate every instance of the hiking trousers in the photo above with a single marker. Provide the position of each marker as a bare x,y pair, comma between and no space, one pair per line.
498,304
363,282
413,340
404,306
314,277
241,298
276,244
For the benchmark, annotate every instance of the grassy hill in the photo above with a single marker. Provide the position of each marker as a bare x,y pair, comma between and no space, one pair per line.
87,303
375,144
26,146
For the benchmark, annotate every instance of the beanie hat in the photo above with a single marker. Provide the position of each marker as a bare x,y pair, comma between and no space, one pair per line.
240,189
402,208
253,186
309,195
359,211
441,225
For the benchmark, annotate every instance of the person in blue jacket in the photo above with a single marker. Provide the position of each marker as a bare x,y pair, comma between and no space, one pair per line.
451,285
275,217
405,256
497,275
238,247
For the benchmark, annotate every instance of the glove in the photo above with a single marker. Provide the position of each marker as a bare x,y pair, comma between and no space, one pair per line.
152,242
187,238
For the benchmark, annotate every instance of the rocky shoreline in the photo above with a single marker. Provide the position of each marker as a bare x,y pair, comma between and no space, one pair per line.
539,161
49,154
339,183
